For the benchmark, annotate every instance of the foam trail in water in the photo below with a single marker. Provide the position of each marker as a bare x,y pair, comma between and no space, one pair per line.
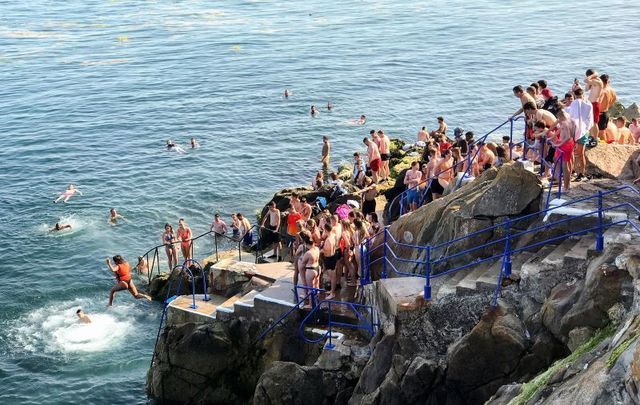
55,328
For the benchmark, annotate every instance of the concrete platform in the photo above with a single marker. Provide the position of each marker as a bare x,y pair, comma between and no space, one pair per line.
400,294
180,310
273,271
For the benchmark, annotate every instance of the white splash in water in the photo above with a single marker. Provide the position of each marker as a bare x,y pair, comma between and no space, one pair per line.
77,224
56,329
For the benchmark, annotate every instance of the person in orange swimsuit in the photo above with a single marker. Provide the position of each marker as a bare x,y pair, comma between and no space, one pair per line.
184,236
122,270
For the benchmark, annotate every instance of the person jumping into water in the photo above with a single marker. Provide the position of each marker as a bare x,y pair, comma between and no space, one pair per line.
68,193
122,270
82,317
60,227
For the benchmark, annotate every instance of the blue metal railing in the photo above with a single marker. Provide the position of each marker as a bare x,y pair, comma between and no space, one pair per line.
468,160
182,269
389,255
368,325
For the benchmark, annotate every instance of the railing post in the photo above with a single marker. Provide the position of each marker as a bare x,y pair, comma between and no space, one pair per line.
511,138
600,236
427,272
506,260
362,277
368,262
560,179
215,242
330,345
384,255
193,290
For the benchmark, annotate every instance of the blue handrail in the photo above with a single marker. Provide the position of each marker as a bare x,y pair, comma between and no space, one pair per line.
362,322
389,255
204,278
181,268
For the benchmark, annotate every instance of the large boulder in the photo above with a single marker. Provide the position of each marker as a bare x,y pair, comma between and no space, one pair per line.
485,358
613,161
493,197
574,308
288,383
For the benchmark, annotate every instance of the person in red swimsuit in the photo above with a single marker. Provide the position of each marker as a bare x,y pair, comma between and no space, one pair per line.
564,145
122,270
184,236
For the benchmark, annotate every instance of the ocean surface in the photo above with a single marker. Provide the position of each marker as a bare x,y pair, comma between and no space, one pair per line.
90,90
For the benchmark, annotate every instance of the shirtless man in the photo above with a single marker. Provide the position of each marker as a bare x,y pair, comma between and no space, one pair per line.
331,256
423,134
433,163
114,217
272,234
524,98
442,127
373,158
326,150
594,86
608,97
444,170
385,155
82,317
534,115
310,261
486,158
60,227
624,134
635,130
359,171
218,226
294,200
412,180
305,209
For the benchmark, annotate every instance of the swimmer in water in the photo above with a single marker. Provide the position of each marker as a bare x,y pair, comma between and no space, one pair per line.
286,93
142,267
59,227
314,111
114,217
68,193
362,120
194,143
82,317
329,106
174,147
122,271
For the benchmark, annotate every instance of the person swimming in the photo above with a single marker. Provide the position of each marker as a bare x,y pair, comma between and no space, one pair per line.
362,120
68,193
82,317
58,227
329,106
174,147
194,143
287,93
114,217
314,111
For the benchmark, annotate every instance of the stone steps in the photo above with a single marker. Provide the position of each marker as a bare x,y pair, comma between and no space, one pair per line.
556,256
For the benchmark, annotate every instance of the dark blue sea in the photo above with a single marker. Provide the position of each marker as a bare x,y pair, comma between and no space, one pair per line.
90,90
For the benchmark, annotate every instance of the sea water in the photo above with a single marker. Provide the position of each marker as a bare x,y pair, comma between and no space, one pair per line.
90,90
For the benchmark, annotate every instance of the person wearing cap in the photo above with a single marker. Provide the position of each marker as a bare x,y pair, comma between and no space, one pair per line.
460,142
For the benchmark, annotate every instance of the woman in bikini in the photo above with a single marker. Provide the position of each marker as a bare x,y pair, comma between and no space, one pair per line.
168,240
310,262
184,236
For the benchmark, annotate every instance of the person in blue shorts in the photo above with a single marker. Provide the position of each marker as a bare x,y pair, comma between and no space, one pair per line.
412,180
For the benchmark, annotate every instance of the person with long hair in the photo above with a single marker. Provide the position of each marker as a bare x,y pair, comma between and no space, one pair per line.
184,236
122,271
168,240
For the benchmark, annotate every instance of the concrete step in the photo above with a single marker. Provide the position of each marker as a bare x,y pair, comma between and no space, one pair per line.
449,284
580,252
275,300
487,281
468,284
225,310
273,271
534,263
556,256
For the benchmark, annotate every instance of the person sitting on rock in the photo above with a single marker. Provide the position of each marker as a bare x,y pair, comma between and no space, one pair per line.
624,134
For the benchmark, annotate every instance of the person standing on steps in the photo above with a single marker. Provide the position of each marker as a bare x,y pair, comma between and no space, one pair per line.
608,97
305,209
373,158
581,113
524,98
122,271
218,226
271,223
594,86
244,229
411,180
331,256
385,155
326,151
184,236
168,240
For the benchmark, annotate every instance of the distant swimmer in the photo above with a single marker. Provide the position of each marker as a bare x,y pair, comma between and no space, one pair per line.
314,111
362,120
174,147
60,227
114,217
329,106
122,270
82,317
68,193
194,143
286,93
